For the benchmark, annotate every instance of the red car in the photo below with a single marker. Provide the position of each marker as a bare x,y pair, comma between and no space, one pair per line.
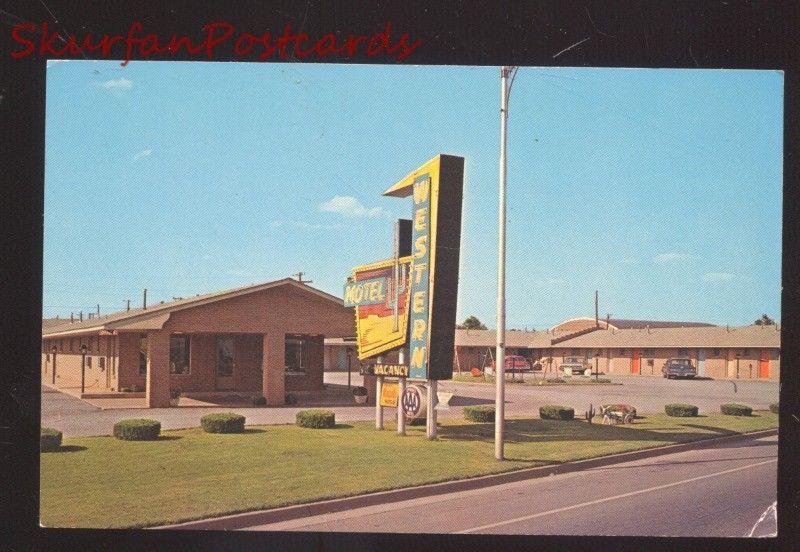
516,364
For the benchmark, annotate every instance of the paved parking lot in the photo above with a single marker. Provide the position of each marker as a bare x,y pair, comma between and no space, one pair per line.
648,394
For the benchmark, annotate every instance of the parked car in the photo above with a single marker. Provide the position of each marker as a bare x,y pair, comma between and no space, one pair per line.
516,364
574,367
678,368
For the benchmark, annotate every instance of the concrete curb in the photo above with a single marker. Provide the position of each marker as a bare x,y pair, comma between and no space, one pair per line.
262,517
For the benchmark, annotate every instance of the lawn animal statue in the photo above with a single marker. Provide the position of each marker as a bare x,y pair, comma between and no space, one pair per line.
617,413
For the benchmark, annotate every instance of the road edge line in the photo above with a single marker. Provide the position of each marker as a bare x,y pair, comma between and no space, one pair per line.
286,513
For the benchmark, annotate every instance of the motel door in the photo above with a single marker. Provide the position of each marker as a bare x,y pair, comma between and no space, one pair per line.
225,363
763,364
701,362
637,355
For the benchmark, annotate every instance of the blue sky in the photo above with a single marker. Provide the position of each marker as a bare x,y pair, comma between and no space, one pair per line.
659,188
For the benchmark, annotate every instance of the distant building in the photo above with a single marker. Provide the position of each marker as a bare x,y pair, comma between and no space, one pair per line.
624,347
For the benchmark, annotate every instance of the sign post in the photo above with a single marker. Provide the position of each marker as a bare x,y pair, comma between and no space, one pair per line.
401,390
430,422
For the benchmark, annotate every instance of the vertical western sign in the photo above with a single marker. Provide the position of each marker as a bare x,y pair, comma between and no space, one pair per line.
420,277
436,189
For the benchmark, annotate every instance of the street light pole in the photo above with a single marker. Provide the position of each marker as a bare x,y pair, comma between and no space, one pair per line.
499,417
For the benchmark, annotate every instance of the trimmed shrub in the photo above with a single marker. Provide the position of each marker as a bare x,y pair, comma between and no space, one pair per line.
137,429
602,380
316,419
555,380
224,422
480,413
680,410
418,422
773,408
258,400
736,410
556,412
49,439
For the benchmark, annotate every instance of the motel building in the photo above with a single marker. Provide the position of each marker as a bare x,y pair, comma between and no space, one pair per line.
265,339
616,347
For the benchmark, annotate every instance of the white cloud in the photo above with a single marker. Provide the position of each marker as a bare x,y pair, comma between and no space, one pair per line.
349,206
718,277
671,257
116,85
143,153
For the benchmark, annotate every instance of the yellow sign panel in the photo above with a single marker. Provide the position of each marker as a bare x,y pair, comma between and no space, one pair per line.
389,391
381,322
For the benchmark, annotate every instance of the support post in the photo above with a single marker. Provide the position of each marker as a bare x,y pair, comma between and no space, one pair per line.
157,384
378,407
431,415
83,373
401,390
273,374
54,351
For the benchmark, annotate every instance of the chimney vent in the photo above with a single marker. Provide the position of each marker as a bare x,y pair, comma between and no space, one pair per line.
81,316
144,299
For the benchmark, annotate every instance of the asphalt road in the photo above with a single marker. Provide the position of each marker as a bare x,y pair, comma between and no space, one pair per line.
722,490
648,394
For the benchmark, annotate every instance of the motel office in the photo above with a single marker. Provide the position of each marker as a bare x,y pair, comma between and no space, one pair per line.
619,347
265,339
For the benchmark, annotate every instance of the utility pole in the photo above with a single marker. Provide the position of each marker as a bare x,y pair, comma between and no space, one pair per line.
500,371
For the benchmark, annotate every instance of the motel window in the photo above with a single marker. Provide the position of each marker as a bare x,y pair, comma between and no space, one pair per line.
179,354
648,352
745,352
143,355
683,352
61,345
91,343
715,352
224,356
71,344
576,352
102,363
296,355
622,352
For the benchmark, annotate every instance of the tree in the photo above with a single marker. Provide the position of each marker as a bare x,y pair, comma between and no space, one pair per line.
764,321
472,323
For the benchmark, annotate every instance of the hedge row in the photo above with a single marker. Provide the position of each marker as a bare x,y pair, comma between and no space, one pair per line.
225,422
480,413
736,410
680,410
773,408
316,419
137,429
556,412
49,439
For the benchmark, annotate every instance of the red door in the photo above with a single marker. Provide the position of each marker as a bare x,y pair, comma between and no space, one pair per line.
637,354
763,364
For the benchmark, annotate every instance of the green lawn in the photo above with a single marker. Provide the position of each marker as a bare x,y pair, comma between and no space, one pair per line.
188,474
537,379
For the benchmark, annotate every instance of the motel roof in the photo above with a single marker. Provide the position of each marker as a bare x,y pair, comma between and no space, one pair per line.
154,316
687,337
705,336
